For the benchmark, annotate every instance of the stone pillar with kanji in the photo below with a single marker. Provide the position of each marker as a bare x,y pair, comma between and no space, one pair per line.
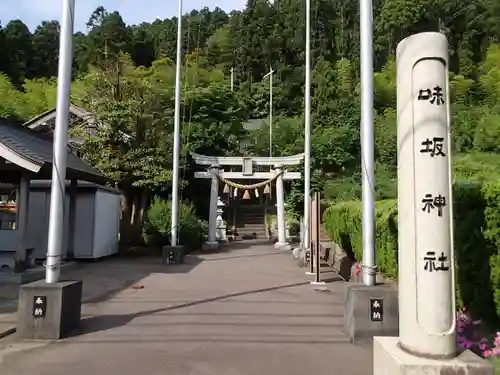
426,281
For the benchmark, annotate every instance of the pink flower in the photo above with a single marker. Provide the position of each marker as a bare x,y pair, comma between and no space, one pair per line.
483,347
487,353
497,340
467,344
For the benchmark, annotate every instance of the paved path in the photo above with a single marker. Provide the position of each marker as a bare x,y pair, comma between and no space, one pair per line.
239,312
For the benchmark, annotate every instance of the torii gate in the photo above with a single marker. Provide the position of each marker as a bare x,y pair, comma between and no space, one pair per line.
216,172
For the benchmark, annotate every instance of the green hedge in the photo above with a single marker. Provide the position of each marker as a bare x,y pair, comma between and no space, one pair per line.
477,239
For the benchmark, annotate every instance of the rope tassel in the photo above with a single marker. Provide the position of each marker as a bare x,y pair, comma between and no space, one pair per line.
246,195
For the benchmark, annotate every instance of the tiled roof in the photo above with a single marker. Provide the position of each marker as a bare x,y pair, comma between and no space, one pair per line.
37,148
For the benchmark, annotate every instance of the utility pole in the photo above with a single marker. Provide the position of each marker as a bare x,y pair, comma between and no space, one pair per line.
307,133
367,142
177,134
58,186
270,75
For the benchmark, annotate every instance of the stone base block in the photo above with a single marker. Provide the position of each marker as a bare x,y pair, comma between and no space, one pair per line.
210,246
390,359
371,311
49,311
32,274
284,246
173,254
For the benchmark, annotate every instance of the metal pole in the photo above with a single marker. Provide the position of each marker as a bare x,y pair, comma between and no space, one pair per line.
177,134
367,142
310,246
270,75
318,225
60,152
307,132
271,114
232,79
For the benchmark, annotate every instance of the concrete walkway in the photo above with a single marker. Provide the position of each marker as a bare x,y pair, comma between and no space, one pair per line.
246,311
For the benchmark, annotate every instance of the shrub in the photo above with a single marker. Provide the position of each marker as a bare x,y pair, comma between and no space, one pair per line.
271,223
156,229
491,193
293,224
476,238
343,225
291,220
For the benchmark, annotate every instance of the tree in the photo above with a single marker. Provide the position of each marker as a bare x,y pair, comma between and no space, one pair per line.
219,48
80,54
4,60
19,51
135,108
108,36
10,99
39,95
45,41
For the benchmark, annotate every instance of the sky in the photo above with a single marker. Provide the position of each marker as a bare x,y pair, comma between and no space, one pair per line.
32,12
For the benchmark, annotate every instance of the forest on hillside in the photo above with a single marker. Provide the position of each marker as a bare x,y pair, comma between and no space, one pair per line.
124,74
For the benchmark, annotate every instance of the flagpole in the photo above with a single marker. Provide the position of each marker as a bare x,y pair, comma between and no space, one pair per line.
307,133
367,143
58,185
177,131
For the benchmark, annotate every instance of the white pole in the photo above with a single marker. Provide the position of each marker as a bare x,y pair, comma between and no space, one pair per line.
270,75
232,79
58,188
271,114
367,144
177,134
280,208
307,132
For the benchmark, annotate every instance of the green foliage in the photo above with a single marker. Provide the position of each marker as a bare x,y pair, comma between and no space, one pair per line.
38,96
476,166
492,235
10,97
385,137
134,106
473,251
476,240
496,364
343,225
487,136
156,229
490,75
292,221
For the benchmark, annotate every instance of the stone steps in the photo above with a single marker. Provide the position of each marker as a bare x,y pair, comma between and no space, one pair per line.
250,221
